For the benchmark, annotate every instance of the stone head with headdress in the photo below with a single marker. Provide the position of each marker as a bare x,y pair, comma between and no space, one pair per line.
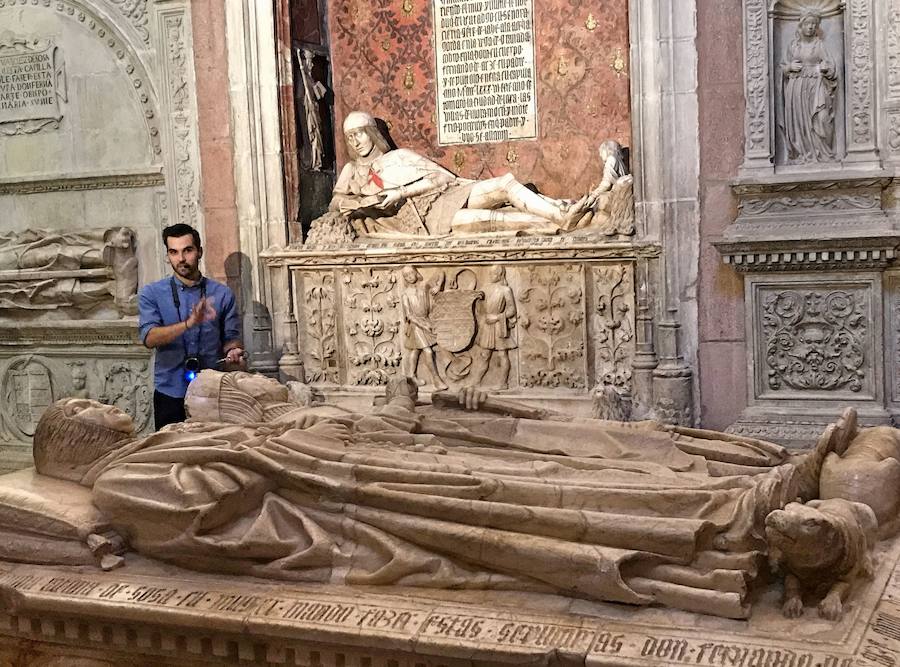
236,398
357,121
74,433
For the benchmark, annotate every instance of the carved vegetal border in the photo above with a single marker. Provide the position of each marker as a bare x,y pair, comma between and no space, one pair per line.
180,105
893,50
861,134
614,313
118,44
758,131
67,184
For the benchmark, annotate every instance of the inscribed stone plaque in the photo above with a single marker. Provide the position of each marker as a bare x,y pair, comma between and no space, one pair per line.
484,69
32,82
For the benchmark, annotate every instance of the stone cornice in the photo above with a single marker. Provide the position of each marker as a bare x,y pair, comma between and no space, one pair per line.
101,181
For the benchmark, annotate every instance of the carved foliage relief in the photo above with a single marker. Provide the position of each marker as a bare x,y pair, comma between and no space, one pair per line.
614,324
893,49
756,75
180,109
552,324
383,59
372,325
320,315
861,68
816,339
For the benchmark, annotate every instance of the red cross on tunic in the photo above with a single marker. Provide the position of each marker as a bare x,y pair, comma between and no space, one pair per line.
375,178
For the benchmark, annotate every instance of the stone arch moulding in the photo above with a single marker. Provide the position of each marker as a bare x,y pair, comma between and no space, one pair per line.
140,33
859,70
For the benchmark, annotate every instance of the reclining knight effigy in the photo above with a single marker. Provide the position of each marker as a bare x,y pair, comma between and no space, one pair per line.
450,498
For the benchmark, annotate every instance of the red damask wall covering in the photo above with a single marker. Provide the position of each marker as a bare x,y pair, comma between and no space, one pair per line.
383,62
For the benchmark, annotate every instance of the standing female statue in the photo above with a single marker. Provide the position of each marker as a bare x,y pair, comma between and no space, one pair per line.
810,85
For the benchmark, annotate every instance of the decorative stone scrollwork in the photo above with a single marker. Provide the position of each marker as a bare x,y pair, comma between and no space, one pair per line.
861,69
552,322
136,12
182,122
893,50
320,314
372,304
614,313
802,203
815,340
756,78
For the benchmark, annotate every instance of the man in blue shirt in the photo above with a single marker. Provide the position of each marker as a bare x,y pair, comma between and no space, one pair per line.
190,320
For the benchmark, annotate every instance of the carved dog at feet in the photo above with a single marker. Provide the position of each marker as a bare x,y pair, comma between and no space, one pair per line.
822,545
868,471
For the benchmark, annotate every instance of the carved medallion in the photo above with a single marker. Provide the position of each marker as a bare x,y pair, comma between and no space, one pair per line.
816,339
453,316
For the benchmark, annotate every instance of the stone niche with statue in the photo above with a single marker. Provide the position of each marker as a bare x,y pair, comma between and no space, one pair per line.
97,154
817,233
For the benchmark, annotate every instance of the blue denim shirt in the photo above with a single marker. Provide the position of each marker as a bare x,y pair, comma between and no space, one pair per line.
157,308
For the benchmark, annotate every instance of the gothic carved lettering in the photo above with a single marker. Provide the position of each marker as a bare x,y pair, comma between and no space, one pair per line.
815,339
552,322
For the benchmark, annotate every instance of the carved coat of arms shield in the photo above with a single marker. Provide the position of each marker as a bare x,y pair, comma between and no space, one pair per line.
453,317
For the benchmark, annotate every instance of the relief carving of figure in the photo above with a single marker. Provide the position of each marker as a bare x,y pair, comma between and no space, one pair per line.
44,269
496,328
810,86
418,329
384,191
436,499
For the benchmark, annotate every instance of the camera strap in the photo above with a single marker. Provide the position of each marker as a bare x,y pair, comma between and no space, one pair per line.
177,301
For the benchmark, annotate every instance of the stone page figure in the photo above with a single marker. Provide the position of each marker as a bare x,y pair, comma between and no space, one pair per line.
810,86
384,191
495,330
418,330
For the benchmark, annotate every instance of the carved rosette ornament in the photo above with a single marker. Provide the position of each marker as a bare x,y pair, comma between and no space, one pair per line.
815,340
319,313
552,322
373,325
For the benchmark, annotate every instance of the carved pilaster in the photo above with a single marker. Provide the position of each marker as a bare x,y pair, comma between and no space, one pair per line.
861,83
319,315
758,146
613,334
180,110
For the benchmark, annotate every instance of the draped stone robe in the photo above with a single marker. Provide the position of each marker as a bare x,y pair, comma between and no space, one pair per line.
585,508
